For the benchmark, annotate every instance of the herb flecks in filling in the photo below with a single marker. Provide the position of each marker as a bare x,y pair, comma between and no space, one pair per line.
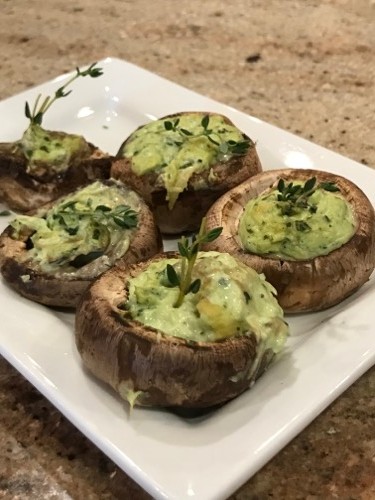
232,300
49,152
94,221
178,147
297,221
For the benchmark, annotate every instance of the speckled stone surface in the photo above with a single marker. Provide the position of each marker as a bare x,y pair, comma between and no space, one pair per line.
307,66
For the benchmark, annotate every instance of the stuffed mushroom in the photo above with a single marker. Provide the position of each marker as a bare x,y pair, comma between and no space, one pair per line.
53,255
46,164
154,350
311,233
182,163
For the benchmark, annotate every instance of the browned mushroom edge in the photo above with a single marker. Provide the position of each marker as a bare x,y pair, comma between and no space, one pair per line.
308,285
202,190
65,289
152,369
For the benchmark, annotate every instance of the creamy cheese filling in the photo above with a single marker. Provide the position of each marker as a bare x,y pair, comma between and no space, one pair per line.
81,228
49,151
178,147
233,300
325,224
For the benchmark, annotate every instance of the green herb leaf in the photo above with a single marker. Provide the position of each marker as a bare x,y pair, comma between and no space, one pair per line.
3,213
186,132
281,185
27,110
125,217
213,140
83,260
61,93
183,249
329,186
38,118
211,235
102,208
194,250
205,121
91,71
172,275
125,221
195,286
168,125
240,148
309,184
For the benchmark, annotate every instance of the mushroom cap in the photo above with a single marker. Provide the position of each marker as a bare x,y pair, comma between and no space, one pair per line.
163,370
64,289
303,285
22,192
201,192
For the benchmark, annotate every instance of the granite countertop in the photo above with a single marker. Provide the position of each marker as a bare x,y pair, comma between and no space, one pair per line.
307,66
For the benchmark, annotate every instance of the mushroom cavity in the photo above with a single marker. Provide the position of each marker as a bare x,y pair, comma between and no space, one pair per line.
312,234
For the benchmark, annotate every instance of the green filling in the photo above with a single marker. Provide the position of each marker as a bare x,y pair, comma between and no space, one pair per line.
127,392
50,151
233,300
176,152
325,224
97,219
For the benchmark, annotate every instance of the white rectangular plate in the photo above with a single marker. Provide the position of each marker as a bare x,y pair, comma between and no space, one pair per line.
169,456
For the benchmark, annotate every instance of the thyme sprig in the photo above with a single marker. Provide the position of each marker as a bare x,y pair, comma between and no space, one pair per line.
296,196
36,115
225,148
189,252
68,216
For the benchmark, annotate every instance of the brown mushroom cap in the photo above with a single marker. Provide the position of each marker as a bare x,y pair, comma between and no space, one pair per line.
304,285
201,192
64,289
22,192
168,371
